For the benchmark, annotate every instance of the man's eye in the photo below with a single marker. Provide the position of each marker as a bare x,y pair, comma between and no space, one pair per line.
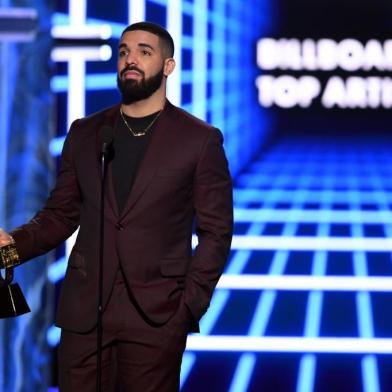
146,53
122,53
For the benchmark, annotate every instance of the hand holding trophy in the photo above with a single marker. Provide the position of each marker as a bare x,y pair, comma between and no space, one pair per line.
12,300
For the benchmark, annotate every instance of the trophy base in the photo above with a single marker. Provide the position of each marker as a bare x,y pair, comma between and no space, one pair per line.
12,301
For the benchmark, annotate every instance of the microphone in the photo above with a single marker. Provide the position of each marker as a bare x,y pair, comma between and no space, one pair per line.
106,137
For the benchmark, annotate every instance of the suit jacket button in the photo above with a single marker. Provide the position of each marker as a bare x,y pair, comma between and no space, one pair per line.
119,227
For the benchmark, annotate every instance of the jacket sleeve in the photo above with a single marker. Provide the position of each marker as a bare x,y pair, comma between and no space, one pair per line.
213,205
59,218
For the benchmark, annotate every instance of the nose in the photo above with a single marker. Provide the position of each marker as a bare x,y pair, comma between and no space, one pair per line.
130,58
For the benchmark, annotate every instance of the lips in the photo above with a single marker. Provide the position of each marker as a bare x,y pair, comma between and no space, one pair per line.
131,73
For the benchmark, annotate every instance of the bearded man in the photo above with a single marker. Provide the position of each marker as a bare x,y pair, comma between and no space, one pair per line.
167,174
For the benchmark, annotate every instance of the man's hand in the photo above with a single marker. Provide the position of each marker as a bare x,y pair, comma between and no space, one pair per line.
5,238
8,254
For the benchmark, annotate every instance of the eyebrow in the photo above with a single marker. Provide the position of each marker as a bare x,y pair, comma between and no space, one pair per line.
141,44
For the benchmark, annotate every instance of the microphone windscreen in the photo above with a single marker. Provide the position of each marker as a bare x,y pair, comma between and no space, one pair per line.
106,135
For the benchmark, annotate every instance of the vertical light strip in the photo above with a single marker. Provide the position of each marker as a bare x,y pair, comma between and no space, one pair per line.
174,26
307,365
218,52
369,367
76,89
243,373
188,360
306,373
199,59
136,11
76,66
365,325
77,12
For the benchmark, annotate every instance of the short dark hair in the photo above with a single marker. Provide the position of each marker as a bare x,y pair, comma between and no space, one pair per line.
165,38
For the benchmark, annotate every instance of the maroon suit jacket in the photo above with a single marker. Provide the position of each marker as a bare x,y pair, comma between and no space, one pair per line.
183,177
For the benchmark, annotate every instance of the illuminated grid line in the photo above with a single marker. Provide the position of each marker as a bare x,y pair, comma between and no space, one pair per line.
288,344
247,195
308,362
324,215
370,379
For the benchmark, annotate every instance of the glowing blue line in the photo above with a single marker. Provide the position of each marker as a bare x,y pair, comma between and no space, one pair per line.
311,216
238,262
307,373
307,366
262,314
312,324
305,283
288,344
218,63
364,312
160,2
243,373
286,195
267,298
61,19
363,299
188,360
288,180
199,59
274,163
218,302
370,374
312,243
102,81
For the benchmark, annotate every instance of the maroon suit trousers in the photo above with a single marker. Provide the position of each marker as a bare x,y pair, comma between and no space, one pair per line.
136,356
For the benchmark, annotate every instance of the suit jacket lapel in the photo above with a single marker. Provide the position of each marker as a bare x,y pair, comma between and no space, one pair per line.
153,158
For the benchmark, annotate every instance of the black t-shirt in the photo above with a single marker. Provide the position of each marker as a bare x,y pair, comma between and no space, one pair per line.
129,151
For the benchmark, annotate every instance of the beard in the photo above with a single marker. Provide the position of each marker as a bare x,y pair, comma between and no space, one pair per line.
133,90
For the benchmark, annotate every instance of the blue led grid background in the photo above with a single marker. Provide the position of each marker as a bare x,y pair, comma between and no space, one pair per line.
303,303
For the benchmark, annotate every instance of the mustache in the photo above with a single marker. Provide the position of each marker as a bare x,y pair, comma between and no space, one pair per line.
131,68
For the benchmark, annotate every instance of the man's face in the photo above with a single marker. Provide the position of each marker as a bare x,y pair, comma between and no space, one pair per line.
140,66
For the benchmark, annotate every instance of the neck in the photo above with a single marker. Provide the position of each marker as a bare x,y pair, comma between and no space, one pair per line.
143,108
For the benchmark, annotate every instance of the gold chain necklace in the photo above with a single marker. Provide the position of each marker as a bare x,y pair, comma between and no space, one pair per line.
142,133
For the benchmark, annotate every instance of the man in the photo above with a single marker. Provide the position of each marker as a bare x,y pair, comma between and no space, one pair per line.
167,170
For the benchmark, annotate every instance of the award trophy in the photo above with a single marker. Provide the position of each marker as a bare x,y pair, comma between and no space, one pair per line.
12,300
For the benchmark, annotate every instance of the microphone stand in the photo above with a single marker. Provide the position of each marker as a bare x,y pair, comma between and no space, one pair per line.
104,155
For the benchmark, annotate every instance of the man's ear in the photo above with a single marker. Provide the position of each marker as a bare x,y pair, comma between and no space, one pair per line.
169,66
